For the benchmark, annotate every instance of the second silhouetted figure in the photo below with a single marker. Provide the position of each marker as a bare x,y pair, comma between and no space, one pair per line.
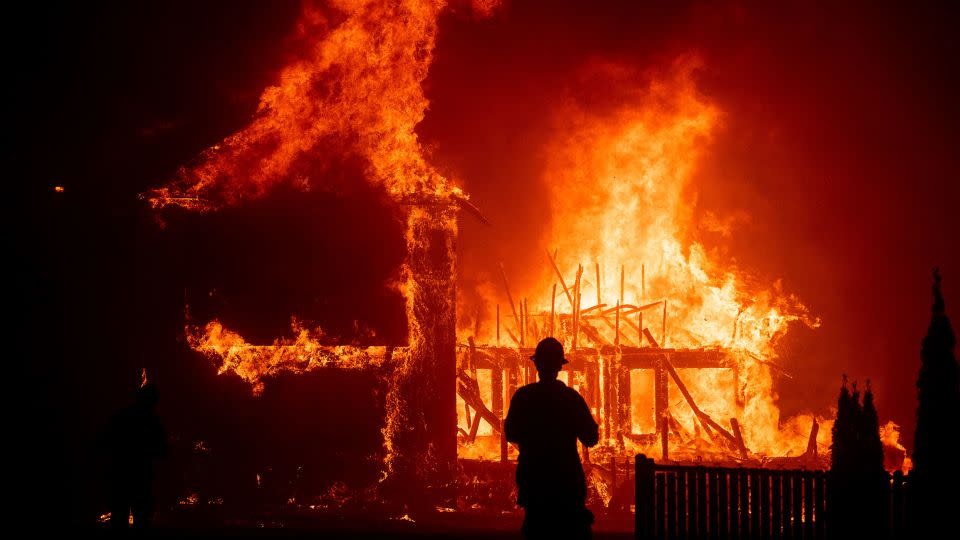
545,420
134,439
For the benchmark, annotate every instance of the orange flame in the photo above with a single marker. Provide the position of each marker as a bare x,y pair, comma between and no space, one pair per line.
620,184
619,191
357,88
254,363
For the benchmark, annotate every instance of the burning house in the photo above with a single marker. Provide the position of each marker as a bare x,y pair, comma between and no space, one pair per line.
673,349
332,232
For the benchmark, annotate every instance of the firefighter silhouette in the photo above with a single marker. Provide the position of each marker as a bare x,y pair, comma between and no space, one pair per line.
135,438
545,420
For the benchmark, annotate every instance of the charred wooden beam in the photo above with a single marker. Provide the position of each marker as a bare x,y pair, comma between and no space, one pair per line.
616,329
584,312
618,335
676,428
553,261
661,407
576,307
474,428
553,309
513,307
649,337
512,382
514,338
594,335
606,387
663,332
707,422
469,391
631,357
624,398
422,428
741,447
599,302
812,440
496,382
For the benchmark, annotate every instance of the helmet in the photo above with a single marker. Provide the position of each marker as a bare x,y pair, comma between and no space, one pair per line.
549,350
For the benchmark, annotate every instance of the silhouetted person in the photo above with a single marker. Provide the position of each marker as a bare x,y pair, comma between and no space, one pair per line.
135,438
545,420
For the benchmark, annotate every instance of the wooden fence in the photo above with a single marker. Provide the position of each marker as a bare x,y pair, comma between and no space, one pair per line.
714,502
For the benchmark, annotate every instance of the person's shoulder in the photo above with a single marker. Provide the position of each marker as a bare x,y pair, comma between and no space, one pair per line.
572,394
530,392
525,390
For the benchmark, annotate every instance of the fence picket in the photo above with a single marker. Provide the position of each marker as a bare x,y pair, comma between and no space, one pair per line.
674,501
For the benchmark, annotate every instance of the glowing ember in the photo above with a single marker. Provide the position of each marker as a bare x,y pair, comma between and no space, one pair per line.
254,363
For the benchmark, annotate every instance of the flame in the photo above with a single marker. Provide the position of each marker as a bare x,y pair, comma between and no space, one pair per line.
356,89
254,363
895,455
619,191
620,184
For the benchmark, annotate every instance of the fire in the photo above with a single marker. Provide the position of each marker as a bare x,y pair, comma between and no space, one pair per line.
254,363
620,186
620,183
357,88
895,455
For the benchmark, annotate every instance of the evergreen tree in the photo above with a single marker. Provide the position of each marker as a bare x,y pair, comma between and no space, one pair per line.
858,483
843,459
856,438
841,445
872,458
873,483
934,479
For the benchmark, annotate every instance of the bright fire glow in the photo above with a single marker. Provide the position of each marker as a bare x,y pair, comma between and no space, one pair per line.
620,191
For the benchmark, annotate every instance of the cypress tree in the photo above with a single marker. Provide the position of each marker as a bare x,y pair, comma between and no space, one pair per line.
843,459
855,437
841,447
858,483
870,435
934,478
872,481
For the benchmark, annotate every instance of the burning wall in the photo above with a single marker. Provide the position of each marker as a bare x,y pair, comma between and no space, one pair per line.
356,90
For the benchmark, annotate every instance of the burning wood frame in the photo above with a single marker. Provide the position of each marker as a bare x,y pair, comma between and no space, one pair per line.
619,366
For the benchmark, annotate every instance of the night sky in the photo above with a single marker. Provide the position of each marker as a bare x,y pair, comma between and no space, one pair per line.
839,141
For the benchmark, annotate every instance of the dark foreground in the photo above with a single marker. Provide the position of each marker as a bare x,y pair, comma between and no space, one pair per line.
358,535
451,525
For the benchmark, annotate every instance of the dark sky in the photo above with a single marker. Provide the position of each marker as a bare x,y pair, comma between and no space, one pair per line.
839,140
